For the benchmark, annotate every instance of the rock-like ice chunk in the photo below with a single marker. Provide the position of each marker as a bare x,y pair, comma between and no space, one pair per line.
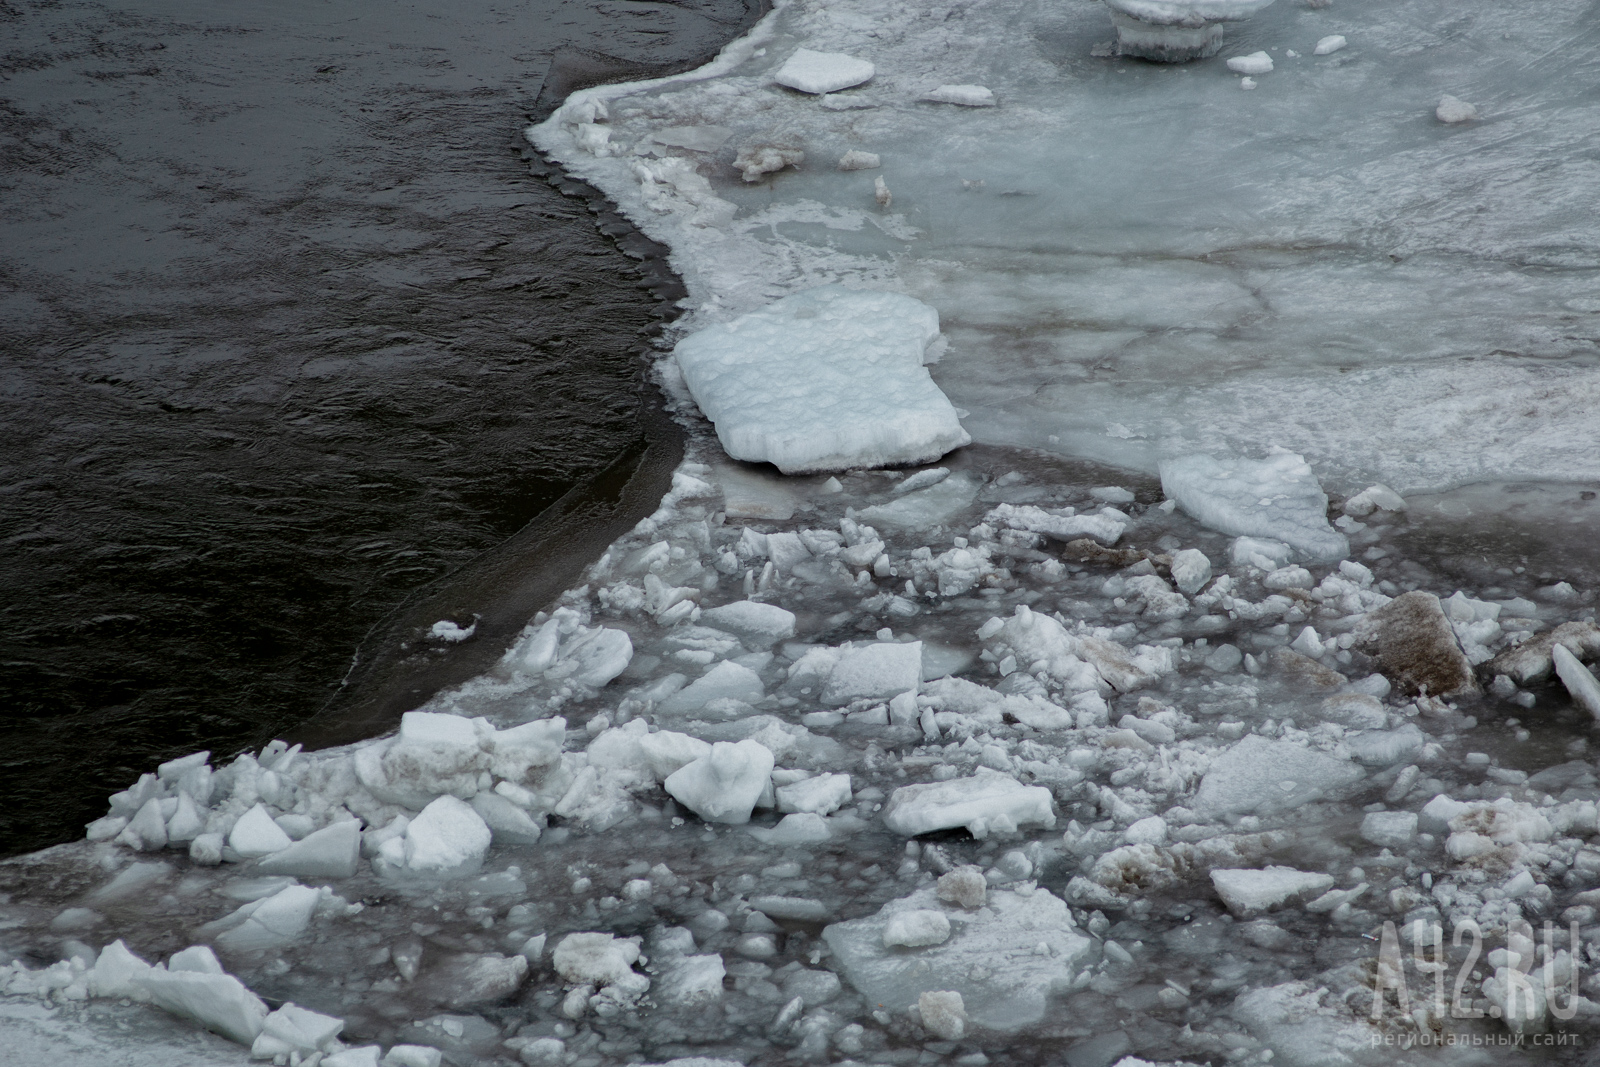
1261,775
876,671
331,852
667,750
1451,110
855,159
801,828
964,95
943,1013
1329,44
1005,960
1416,646
916,929
1277,497
723,785
983,804
256,835
595,957
822,72
1191,569
118,973
1246,892
447,836
1254,63
1390,829
825,380
748,619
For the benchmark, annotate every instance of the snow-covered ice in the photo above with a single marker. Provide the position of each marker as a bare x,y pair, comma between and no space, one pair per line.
828,379
822,72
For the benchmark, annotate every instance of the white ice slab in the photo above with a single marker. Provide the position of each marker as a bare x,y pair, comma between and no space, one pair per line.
1277,497
983,804
825,380
1261,775
822,72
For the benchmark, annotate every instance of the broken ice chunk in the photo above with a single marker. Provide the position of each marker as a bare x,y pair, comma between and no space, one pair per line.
1261,775
256,835
822,795
1390,829
825,380
271,922
964,95
1452,110
447,837
1276,497
801,828
985,803
1254,63
1416,646
756,160
293,1030
1248,892
1329,44
943,1014
723,785
1173,31
1577,678
1004,961
822,72
726,681
1190,570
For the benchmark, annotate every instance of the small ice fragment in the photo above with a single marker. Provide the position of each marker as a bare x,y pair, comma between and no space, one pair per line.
413,1056
1150,830
943,1014
876,671
821,795
1452,110
1247,83
921,480
855,159
1390,829
1112,494
965,886
1191,569
881,193
754,161
1254,63
751,621
964,95
801,828
292,1030
1277,497
1329,44
445,630
1374,498
822,72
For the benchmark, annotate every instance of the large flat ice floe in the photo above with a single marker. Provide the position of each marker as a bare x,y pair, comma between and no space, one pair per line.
824,380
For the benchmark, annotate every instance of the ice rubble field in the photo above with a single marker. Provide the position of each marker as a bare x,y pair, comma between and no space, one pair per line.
963,765
996,761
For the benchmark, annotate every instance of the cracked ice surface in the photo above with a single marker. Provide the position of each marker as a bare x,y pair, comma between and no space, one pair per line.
1133,261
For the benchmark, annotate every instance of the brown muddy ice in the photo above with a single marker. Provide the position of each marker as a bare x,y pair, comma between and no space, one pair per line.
289,334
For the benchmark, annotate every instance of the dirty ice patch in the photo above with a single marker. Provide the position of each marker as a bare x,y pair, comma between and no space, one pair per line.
1277,497
826,380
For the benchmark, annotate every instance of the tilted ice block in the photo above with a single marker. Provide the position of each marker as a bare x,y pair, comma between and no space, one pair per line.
118,973
294,1030
1005,960
218,1002
1261,775
331,852
826,380
268,923
822,72
982,803
256,835
1276,497
726,681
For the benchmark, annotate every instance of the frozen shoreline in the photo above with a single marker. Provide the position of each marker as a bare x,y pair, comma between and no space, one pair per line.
1157,761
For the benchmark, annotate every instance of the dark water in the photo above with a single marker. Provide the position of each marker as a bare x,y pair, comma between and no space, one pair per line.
289,333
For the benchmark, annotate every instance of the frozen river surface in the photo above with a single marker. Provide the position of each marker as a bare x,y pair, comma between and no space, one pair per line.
1027,757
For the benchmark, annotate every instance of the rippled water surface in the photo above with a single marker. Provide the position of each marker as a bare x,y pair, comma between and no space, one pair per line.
289,332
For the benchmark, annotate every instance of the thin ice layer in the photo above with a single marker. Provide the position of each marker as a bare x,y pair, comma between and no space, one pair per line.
826,380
